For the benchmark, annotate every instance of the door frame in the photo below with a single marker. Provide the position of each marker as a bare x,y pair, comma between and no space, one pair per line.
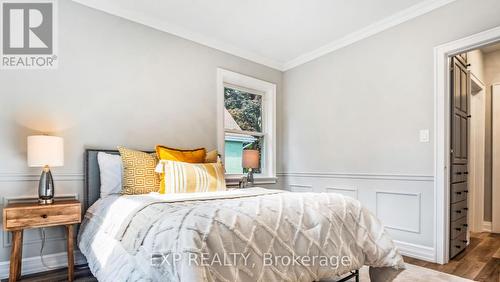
477,141
442,54
495,187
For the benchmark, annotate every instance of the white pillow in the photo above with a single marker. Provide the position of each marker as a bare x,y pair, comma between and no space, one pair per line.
110,167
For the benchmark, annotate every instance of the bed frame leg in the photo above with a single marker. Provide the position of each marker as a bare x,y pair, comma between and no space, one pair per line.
354,274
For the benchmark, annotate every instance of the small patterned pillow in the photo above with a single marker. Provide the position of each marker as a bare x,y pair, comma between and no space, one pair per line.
188,178
139,175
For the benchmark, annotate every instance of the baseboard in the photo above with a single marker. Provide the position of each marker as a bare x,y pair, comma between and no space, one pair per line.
416,251
486,226
34,264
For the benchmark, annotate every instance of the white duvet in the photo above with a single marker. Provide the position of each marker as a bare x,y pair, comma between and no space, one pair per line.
240,235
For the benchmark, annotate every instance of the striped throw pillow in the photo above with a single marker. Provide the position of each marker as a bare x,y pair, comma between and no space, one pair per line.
183,177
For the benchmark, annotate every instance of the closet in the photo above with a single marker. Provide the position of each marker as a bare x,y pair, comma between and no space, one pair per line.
460,95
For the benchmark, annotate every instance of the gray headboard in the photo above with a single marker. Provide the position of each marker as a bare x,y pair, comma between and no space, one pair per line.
92,189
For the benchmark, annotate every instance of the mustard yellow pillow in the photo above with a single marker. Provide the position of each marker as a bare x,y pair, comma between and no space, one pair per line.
139,175
181,177
178,155
187,156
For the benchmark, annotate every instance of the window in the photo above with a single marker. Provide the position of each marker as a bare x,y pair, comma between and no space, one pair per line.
246,121
242,126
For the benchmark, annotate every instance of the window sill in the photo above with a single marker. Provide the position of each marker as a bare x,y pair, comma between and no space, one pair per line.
234,180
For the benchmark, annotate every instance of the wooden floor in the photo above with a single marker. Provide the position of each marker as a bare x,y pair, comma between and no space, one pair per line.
82,274
480,261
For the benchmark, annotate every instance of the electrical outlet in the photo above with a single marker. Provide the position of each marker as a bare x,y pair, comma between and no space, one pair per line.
424,136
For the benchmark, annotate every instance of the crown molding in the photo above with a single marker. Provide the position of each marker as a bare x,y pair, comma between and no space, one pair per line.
377,27
180,32
386,23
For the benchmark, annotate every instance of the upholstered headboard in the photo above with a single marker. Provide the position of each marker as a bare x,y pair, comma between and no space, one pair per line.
92,189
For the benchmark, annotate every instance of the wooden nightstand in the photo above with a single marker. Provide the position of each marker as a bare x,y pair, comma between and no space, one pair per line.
17,217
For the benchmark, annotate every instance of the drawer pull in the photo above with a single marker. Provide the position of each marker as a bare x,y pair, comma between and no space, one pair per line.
458,211
466,191
458,193
465,225
465,241
458,228
466,172
457,246
458,173
466,209
44,216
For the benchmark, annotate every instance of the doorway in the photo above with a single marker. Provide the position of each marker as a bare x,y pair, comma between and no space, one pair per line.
496,157
443,133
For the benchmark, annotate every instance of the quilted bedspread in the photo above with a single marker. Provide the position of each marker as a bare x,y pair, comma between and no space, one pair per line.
243,235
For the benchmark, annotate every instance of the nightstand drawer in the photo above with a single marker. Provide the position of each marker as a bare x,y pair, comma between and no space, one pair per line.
42,215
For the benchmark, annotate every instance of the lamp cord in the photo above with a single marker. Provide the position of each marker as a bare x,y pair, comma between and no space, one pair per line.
42,230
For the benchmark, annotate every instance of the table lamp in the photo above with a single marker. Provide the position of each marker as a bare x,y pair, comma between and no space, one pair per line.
250,161
45,151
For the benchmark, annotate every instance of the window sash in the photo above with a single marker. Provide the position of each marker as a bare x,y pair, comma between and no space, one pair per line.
244,89
253,133
263,166
254,86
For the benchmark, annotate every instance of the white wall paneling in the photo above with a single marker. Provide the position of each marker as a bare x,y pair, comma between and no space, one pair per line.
404,203
399,211
33,177
300,188
350,192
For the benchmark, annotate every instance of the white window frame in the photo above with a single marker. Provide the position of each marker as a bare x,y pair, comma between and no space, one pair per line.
268,92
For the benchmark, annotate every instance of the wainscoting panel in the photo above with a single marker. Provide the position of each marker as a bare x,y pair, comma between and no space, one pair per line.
19,187
300,188
404,203
349,192
407,205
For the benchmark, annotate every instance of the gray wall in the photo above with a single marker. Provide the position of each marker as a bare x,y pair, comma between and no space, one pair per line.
355,114
118,83
491,76
363,105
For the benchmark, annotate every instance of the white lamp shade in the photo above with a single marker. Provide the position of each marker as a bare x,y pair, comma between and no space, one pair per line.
45,151
250,159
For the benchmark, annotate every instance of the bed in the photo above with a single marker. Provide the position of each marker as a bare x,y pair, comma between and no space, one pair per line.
238,235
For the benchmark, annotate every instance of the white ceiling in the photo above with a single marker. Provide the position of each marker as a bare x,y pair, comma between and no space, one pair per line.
278,33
